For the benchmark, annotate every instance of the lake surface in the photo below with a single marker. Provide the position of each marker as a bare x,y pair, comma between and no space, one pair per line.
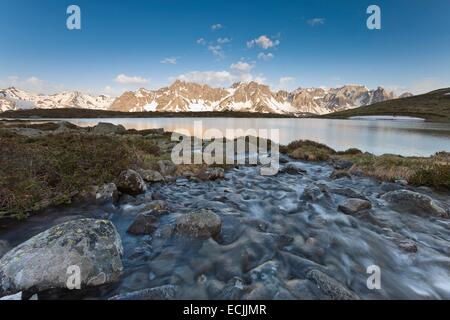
406,137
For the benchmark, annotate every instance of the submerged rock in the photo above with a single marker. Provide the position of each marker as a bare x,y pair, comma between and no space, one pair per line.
414,203
331,287
348,192
47,260
292,168
212,174
340,174
4,247
167,292
145,223
108,128
354,205
201,224
130,182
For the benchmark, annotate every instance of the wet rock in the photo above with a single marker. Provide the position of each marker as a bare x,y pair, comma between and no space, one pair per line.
312,193
151,176
354,205
415,203
330,287
212,174
341,164
130,182
43,261
407,245
156,205
283,159
167,292
145,223
389,186
107,193
13,297
259,224
233,290
292,168
108,128
282,240
230,231
214,288
340,174
4,247
303,289
201,224
166,167
348,192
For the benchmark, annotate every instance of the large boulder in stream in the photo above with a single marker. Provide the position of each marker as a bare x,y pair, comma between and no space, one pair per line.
415,203
51,259
131,182
354,205
201,224
332,288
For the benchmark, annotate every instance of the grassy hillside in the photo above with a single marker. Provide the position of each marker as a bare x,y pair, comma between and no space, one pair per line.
433,106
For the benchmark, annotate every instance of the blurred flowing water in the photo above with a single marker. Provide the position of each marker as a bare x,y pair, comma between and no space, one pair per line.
269,219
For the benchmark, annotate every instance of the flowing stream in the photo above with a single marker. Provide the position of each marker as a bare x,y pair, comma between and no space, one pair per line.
272,234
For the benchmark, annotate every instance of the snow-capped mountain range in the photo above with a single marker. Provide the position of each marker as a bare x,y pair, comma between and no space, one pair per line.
192,97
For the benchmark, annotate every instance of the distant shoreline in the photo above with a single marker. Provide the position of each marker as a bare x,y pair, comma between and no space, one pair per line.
89,113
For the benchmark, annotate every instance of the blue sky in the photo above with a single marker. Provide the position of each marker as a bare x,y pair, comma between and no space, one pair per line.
124,45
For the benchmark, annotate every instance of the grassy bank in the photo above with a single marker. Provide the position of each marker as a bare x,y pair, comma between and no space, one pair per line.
36,172
431,171
433,106
42,165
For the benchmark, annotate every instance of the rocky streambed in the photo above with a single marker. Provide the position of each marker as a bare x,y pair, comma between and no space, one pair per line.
306,233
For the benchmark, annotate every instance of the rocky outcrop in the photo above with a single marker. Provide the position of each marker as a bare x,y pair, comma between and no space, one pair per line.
415,203
104,128
201,224
151,175
47,260
130,182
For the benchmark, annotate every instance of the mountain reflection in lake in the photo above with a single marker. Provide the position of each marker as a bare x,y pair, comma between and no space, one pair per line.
408,138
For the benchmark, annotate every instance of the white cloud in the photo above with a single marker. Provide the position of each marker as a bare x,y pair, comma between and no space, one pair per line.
212,78
217,51
33,84
223,78
242,66
223,40
316,22
264,42
426,85
131,80
201,41
172,60
217,26
286,83
265,56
